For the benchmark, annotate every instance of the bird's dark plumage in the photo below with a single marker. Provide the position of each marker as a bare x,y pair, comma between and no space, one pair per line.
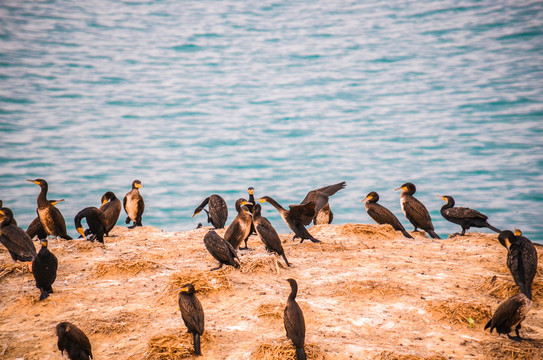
521,260
323,213
415,211
382,215
221,250
250,203
510,314
267,233
111,208
296,218
218,211
133,204
15,239
36,228
192,314
240,229
294,321
50,217
74,341
44,269
465,217
95,220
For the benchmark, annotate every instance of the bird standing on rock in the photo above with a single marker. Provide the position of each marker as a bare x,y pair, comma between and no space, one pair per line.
44,269
134,205
465,217
240,229
218,210
50,217
74,341
509,315
382,215
415,211
521,260
95,220
192,314
294,322
111,208
267,233
221,250
15,239
323,213
36,228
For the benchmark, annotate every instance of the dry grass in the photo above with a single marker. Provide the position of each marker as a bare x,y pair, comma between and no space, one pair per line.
368,287
504,287
128,267
370,232
460,312
274,311
14,268
120,323
285,351
173,346
389,355
262,263
203,281
510,350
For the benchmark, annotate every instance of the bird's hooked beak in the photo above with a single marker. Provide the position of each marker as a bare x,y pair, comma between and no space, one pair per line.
82,232
251,192
2,213
518,232
196,213
33,181
139,186
105,201
442,197
56,201
401,188
262,200
369,197
182,289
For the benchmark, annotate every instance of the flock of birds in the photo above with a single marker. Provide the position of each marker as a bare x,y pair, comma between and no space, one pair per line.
521,256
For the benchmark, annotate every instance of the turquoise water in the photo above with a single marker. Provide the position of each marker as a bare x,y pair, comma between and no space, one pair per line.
202,97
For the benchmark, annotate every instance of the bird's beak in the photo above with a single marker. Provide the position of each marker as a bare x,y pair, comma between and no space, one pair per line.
1,212
32,181
82,232
105,201
139,186
518,232
400,188
251,192
262,200
181,289
365,199
195,214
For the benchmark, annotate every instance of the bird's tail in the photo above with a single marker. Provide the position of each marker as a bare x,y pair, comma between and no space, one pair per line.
285,258
406,234
67,237
488,325
526,290
127,221
300,354
433,234
495,229
196,338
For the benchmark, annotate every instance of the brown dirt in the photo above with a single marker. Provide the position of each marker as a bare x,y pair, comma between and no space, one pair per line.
366,293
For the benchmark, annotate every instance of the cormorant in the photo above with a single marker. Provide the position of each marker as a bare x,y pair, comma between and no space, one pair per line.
382,215
15,239
44,269
74,341
218,211
50,217
465,217
221,250
415,211
13,221
294,321
36,228
323,213
509,315
111,208
250,203
521,260
133,204
239,230
192,314
267,233
95,220
296,218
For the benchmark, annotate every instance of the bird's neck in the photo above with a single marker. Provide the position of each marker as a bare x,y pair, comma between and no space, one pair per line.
275,204
293,292
42,197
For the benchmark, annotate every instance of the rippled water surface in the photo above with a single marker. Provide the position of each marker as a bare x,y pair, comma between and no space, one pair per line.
202,97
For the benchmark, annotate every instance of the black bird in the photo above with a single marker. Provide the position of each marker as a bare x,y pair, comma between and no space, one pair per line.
323,213
296,218
382,215
50,217
240,229
521,260
44,269
465,217
133,204
95,220
74,341
267,233
218,211
221,250
415,211
36,228
111,208
509,315
250,203
294,321
13,221
192,314
15,239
